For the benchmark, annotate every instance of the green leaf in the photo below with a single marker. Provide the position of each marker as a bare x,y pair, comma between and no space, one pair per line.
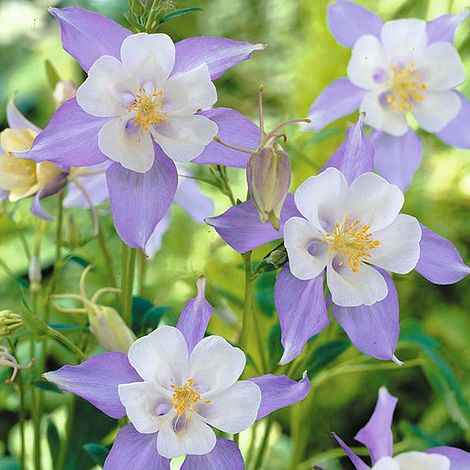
45,385
325,354
77,260
153,316
52,74
97,452
264,293
140,306
54,440
9,463
68,328
176,13
274,346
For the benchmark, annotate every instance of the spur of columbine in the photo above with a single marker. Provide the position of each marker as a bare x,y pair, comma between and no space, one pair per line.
346,220
401,67
142,108
174,385
377,436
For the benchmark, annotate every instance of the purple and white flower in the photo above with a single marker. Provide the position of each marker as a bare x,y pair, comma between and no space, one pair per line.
140,109
400,67
366,210
174,385
377,436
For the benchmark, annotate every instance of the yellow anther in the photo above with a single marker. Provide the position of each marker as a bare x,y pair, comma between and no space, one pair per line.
185,399
148,110
406,88
352,242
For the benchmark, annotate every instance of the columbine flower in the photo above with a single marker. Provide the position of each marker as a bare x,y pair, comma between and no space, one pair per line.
347,220
174,385
398,67
21,178
377,436
348,230
140,110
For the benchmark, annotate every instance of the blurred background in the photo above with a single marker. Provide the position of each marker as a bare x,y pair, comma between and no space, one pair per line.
300,60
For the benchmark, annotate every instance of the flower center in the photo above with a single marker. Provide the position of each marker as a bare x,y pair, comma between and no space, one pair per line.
406,88
185,399
148,109
352,242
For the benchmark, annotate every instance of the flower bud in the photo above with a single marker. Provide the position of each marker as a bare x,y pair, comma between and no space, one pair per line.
109,328
268,175
9,322
63,91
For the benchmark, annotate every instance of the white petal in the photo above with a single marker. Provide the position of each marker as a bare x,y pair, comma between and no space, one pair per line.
126,144
149,58
145,404
436,110
386,463
197,438
184,138
351,289
399,250
185,93
161,357
422,461
308,255
235,409
380,116
107,90
441,67
215,365
374,201
403,40
320,199
367,67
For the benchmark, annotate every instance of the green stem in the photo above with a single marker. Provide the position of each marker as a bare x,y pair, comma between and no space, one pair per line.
251,448
124,267
67,343
106,255
142,272
151,17
37,429
248,302
264,443
60,464
129,285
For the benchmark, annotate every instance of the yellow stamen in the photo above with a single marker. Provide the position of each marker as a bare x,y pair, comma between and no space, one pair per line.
406,88
352,242
148,110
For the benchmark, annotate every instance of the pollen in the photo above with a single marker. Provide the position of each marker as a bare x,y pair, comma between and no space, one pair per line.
352,242
406,88
148,109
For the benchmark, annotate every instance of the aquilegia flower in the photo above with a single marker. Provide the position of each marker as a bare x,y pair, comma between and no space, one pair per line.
396,68
19,178
346,220
174,385
377,436
140,109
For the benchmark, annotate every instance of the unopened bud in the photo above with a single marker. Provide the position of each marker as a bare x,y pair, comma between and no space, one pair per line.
273,261
268,175
63,91
9,322
109,329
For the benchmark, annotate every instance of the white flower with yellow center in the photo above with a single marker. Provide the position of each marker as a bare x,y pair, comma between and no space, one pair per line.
404,74
413,461
22,178
146,103
348,230
184,393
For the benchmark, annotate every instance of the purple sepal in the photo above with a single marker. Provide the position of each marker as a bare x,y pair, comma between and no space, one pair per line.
456,132
16,120
190,197
140,200
240,227
459,459
225,455
302,311
355,155
348,21
356,461
70,138
86,35
397,158
133,450
373,329
234,129
377,435
338,99
52,188
219,54
195,316
440,262
443,27
279,391
96,380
